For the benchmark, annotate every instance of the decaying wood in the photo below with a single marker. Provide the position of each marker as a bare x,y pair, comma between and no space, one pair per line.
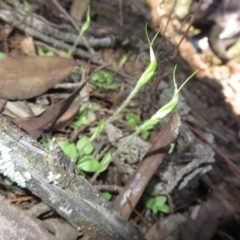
15,224
25,21
53,177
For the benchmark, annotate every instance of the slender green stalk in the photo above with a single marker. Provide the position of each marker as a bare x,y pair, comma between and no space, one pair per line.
144,79
155,119
83,29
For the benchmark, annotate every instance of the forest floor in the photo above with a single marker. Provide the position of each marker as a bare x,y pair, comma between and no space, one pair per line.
199,180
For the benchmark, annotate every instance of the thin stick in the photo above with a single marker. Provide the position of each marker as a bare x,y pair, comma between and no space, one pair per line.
65,13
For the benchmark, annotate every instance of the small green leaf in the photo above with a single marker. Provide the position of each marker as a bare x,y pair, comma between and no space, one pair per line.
88,164
164,208
107,195
110,86
157,204
171,148
86,24
82,173
2,55
160,200
82,142
8,181
26,6
84,146
98,130
68,148
149,202
124,59
83,29
145,134
49,54
155,209
105,162
104,79
96,105
125,41
93,86
47,142
132,119
41,53
97,76
82,120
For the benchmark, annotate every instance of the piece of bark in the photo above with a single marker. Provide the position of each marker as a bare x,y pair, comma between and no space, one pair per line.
15,224
54,178
61,229
38,209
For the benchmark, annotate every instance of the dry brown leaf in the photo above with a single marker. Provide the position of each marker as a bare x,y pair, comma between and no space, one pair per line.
78,8
28,47
27,77
205,223
44,121
167,228
68,116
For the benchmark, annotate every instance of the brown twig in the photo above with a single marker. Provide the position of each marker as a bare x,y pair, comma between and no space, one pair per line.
65,13
22,199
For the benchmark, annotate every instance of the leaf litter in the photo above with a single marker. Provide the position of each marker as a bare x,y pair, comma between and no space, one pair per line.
28,77
29,80
46,120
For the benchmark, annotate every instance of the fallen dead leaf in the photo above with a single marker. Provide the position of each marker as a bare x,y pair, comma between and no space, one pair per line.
68,116
28,47
167,228
27,77
205,223
45,121
78,8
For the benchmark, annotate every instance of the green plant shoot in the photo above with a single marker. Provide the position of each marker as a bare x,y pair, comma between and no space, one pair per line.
157,204
146,76
156,118
144,79
83,29
124,59
26,6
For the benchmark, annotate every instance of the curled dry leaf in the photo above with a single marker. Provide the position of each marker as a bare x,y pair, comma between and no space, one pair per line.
68,116
27,77
45,121
204,224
